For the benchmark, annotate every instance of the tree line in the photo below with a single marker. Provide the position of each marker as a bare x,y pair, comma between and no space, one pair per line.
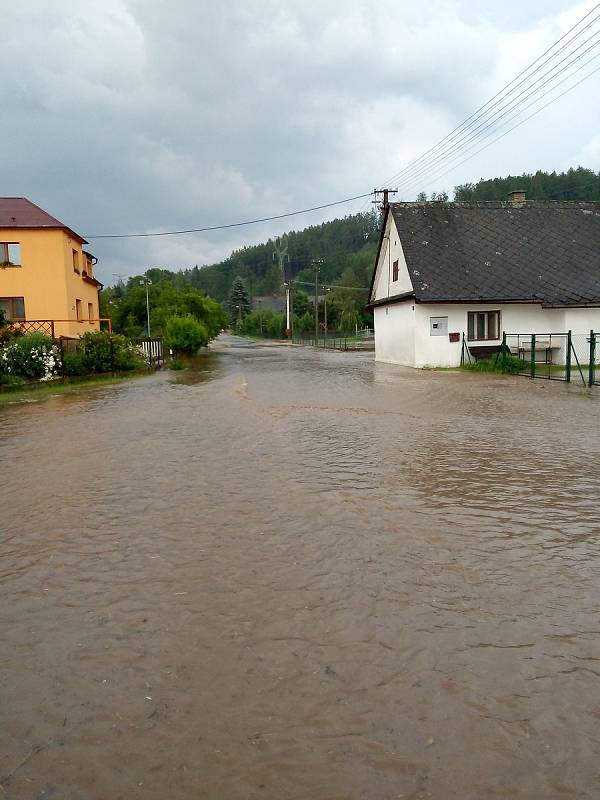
220,294
574,184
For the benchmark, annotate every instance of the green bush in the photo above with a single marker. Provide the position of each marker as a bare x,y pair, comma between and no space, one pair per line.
263,323
509,364
73,364
31,356
11,380
185,335
102,352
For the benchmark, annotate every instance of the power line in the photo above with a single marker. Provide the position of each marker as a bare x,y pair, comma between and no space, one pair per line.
470,120
231,224
334,286
502,135
461,131
419,176
506,115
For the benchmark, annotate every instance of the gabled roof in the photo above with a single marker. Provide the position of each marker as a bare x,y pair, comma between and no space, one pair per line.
18,212
547,252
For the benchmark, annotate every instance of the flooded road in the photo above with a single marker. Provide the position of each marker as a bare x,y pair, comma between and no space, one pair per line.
289,574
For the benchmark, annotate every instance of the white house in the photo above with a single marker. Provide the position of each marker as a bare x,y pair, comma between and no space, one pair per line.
452,272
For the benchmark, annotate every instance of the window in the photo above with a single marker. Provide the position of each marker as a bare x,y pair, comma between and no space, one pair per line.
10,254
395,270
88,264
483,325
91,312
13,308
79,310
438,326
76,261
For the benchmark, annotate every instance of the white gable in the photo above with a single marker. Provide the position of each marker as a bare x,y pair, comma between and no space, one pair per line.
391,251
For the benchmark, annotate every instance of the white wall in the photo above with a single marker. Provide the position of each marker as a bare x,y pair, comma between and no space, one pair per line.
580,321
391,250
438,351
394,333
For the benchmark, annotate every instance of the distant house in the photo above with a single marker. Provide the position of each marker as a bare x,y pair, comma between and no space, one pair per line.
271,302
452,272
46,276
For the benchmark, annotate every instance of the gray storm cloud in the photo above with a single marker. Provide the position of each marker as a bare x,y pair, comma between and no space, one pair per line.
140,116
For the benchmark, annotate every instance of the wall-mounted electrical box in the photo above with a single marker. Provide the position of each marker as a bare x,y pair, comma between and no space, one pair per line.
438,326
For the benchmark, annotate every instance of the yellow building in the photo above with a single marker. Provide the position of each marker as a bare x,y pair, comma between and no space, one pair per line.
46,277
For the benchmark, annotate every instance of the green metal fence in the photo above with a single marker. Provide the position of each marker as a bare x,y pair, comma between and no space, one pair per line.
593,366
564,357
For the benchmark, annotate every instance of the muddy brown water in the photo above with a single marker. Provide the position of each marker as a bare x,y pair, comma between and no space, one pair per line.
289,574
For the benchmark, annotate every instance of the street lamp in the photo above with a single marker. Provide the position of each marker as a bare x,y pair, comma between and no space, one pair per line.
147,282
288,310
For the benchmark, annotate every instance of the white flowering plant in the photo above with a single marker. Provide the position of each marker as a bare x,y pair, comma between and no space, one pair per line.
31,356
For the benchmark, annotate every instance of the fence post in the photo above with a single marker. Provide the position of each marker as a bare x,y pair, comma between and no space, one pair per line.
592,362
62,358
533,355
569,346
503,351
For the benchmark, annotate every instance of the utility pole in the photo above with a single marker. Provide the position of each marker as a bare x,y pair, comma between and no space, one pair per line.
317,263
326,290
383,204
281,251
259,300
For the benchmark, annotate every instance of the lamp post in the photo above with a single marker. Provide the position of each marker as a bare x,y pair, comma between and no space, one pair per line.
288,311
147,282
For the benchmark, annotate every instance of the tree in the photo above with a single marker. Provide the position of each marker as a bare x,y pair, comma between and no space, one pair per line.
239,301
440,197
185,335
422,197
169,296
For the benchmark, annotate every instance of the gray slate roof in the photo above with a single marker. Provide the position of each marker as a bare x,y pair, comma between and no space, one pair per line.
548,251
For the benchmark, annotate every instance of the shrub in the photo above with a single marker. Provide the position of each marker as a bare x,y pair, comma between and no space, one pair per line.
509,364
185,335
10,380
102,352
32,356
73,364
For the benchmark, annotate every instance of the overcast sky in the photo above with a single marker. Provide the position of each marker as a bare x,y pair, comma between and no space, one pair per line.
138,115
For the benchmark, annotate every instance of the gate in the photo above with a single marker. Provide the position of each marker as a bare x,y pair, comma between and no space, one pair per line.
550,356
153,351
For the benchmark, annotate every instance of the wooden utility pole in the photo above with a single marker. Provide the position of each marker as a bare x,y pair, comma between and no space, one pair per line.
317,263
383,204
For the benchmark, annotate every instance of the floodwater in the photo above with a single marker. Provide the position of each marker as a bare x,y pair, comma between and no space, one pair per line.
298,574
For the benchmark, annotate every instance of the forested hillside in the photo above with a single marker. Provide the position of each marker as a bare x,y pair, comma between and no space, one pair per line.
575,184
347,247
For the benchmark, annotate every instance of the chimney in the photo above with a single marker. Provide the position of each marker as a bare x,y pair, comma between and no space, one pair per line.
516,197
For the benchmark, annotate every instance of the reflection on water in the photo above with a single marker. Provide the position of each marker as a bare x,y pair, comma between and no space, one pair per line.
295,574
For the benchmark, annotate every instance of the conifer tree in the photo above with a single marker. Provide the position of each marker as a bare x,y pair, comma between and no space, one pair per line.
239,301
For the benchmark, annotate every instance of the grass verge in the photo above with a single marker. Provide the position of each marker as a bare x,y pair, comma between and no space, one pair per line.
62,386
